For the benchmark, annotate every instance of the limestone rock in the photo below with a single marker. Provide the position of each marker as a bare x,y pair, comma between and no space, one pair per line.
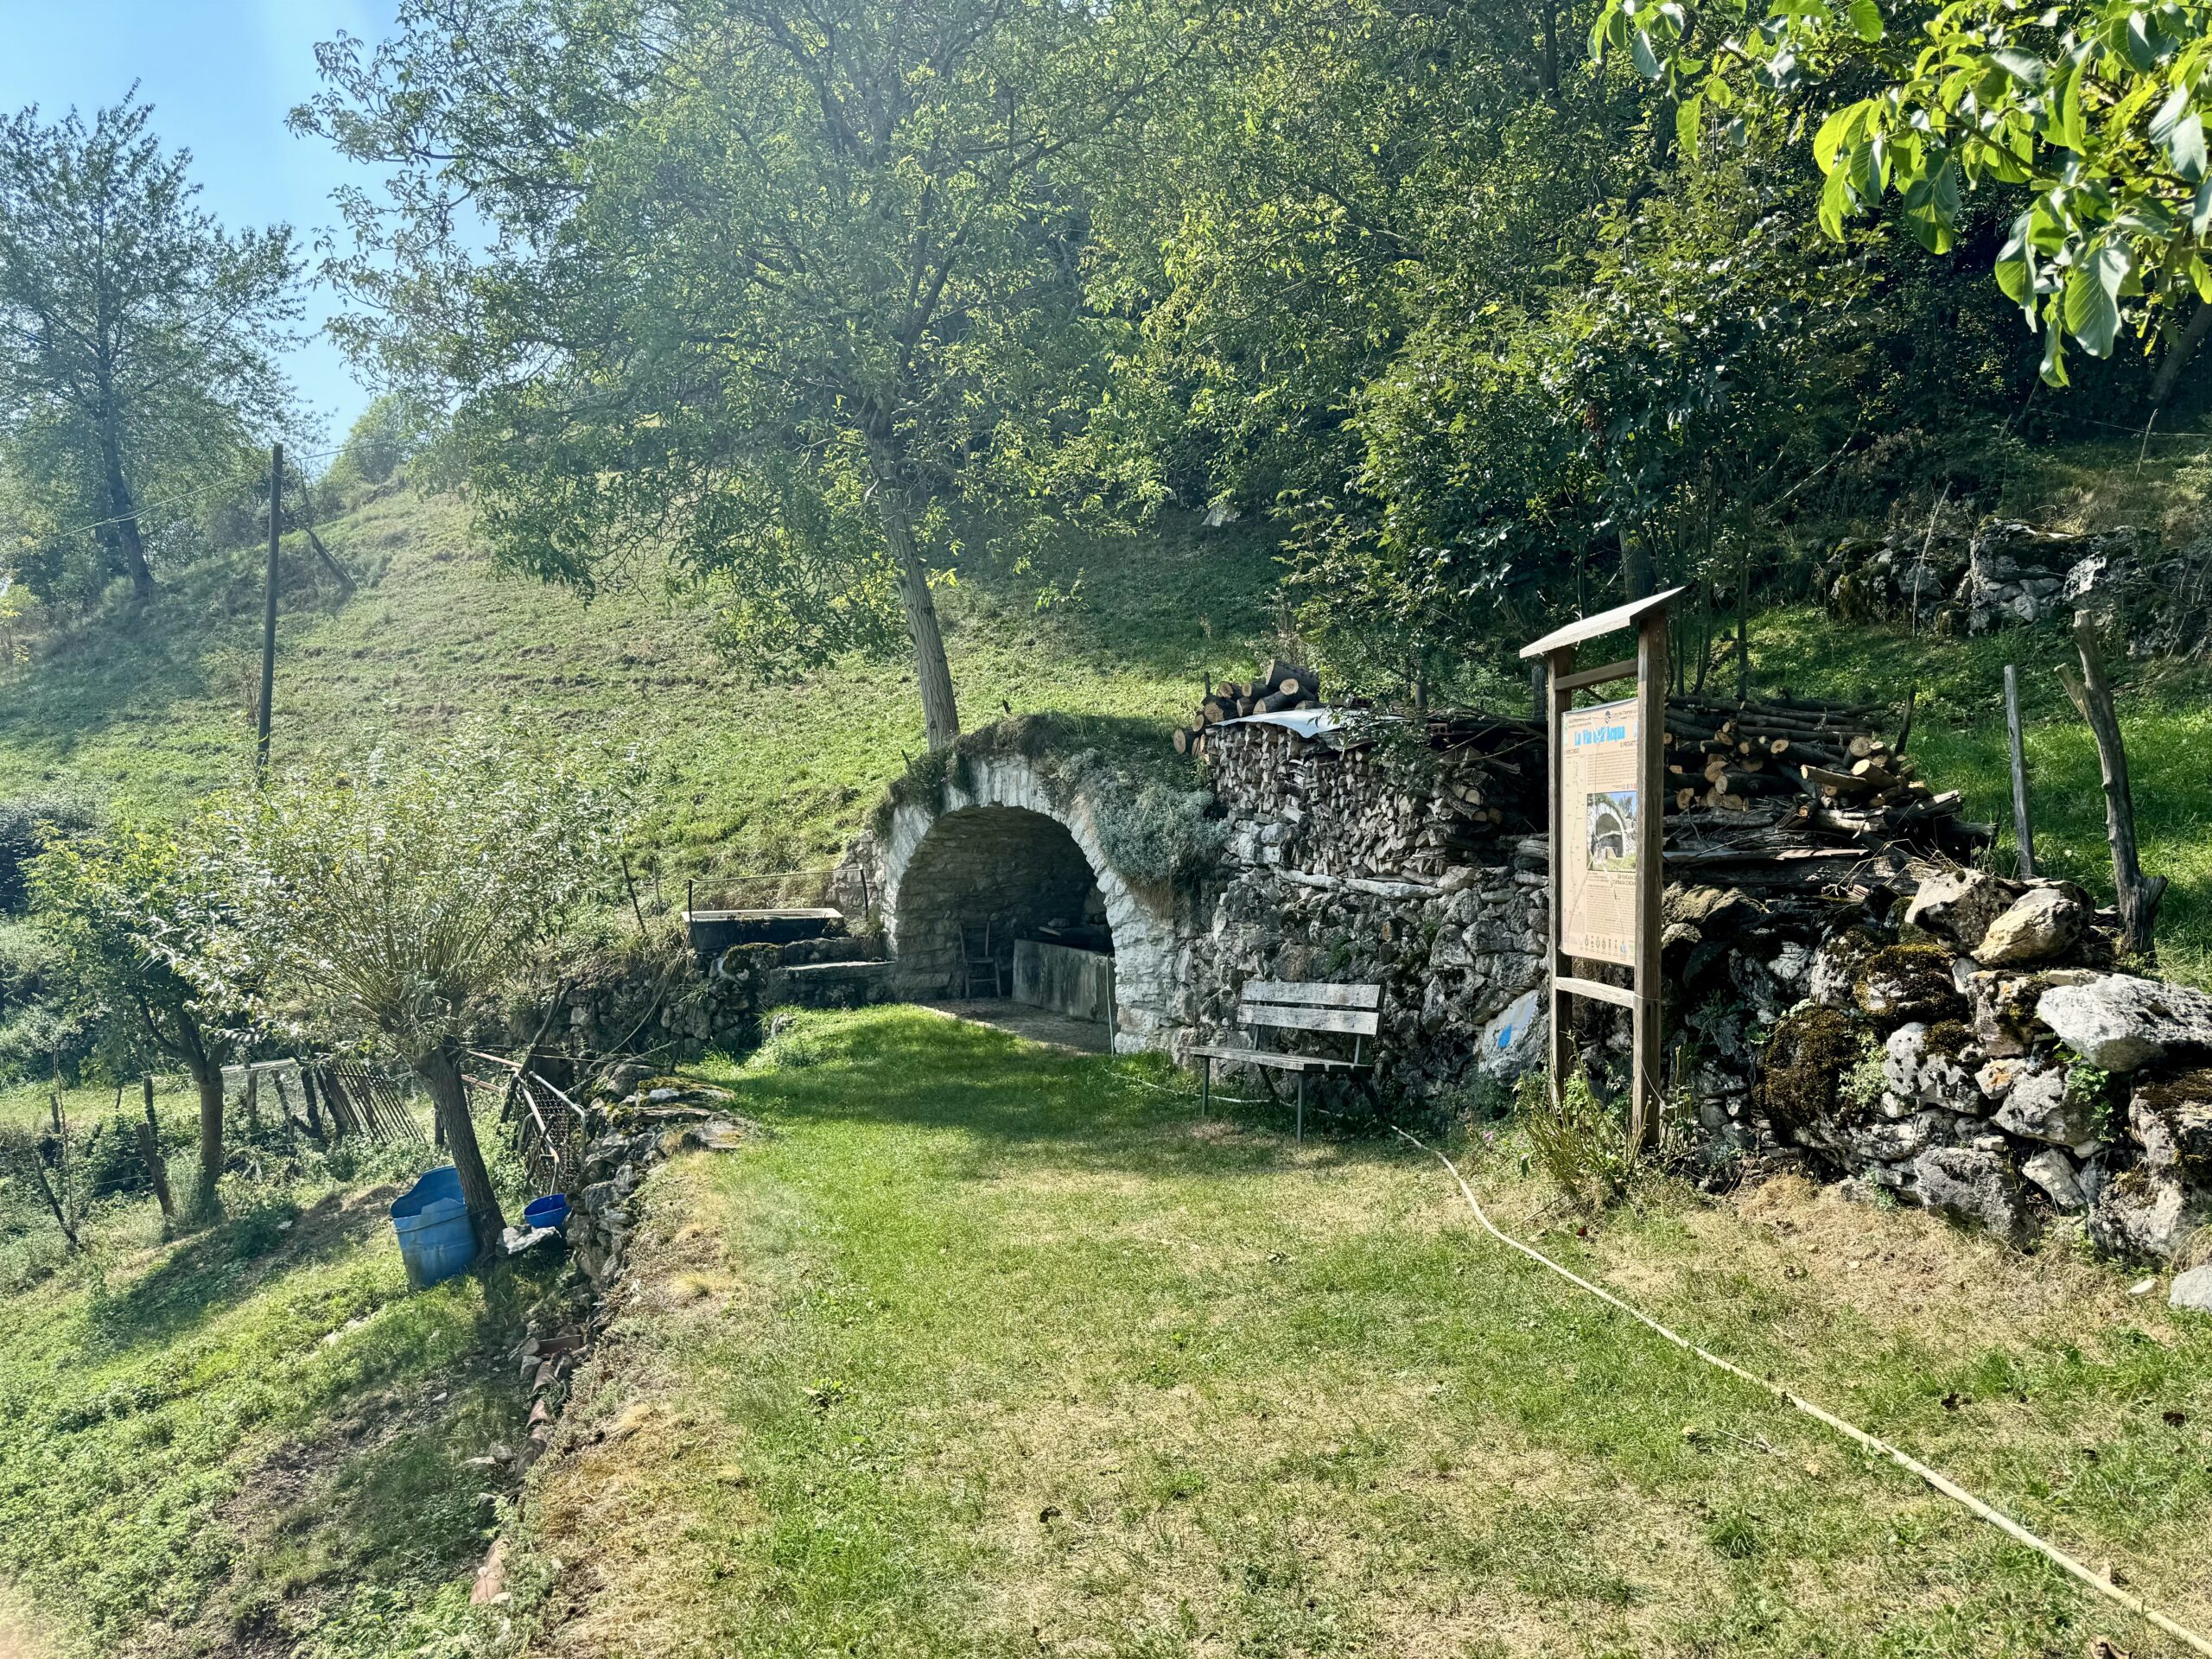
2040,1106
1995,1079
1927,1063
2040,924
1960,907
2144,1212
1836,965
1886,1142
2004,1006
2121,1022
2171,1119
2052,1171
2192,1291
1974,1186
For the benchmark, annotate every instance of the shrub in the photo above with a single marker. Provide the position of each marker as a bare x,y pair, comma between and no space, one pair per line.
25,825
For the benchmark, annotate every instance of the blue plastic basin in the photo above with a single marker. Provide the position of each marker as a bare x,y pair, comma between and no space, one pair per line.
551,1211
435,1240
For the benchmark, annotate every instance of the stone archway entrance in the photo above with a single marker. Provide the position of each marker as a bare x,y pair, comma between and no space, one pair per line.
1000,851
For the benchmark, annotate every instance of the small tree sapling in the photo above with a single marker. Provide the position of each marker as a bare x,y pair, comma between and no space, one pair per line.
398,898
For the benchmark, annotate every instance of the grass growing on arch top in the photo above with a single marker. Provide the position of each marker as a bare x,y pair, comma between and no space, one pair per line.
993,1350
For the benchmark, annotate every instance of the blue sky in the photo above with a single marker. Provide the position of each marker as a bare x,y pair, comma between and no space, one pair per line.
222,75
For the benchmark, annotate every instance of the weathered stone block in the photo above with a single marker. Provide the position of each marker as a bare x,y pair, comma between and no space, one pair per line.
2040,1106
1907,982
1974,1186
2171,1120
2144,1212
2121,1022
1959,908
2040,924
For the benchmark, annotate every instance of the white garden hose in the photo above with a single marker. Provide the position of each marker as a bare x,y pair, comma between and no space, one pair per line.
2004,1523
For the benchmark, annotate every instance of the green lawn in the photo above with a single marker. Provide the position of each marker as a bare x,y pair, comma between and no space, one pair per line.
151,711
995,1351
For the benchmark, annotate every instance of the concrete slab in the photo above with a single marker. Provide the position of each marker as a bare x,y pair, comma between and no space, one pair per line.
1037,1025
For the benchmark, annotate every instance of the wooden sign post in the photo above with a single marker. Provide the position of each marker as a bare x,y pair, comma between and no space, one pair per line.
1608,811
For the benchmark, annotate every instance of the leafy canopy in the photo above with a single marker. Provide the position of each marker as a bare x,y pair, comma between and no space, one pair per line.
2092,111
384,901
137,340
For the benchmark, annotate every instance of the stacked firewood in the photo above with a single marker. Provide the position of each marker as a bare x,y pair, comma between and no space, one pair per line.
1281,687
1793,762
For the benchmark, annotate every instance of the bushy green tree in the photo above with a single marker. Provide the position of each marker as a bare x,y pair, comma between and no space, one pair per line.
137,339
146,921
768,287
394,900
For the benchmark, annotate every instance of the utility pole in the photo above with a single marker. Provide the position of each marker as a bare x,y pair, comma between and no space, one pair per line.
269,606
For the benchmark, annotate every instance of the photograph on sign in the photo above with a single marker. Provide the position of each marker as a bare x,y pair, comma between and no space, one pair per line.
1598,878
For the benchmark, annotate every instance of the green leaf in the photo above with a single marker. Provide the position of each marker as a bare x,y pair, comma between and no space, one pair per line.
2200,211
2024,66
1835,201
1837,131
2169,115
1866,19
2016,269
2092,298
2199,275
1640,53
1690,125
2137,44
2186,146
2054,355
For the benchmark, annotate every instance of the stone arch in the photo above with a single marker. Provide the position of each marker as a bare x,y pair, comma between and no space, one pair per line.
999,845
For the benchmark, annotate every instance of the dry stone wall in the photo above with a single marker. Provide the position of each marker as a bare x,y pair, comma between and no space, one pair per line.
1314,885
1971,1051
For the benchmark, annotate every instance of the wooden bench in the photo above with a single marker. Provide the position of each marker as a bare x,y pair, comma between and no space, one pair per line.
1297,1005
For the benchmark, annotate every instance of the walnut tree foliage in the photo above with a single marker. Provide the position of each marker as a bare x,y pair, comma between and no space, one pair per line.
763,289
2091,112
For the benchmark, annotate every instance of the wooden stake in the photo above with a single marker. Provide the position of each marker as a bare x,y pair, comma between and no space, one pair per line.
2091,694
269,608
2023,835
1647,1105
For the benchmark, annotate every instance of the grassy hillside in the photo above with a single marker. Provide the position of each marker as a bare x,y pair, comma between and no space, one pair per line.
150,711
147,712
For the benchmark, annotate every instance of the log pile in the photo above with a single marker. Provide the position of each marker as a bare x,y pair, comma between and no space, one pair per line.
1280,687
1780,793
1800,774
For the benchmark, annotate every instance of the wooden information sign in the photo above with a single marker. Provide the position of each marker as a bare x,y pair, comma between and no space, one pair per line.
1607,813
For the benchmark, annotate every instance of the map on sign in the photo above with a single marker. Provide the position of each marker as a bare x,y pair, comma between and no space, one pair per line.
1598,813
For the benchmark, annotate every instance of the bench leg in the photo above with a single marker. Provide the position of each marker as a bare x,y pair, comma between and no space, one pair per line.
1206,1087
1301,1106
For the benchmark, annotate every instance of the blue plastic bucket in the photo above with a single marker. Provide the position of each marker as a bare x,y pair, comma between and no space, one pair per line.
435,1240
551,1211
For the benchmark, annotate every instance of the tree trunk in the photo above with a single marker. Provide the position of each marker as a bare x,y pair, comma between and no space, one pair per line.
1638,579
2179,353
440,1070
124,509
940,714
150,1146
208,1076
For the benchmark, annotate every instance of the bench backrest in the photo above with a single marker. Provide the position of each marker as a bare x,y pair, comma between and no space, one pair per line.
1299,1005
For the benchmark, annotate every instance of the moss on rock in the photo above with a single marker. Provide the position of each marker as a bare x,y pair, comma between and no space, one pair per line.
1907,982
1812,1052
